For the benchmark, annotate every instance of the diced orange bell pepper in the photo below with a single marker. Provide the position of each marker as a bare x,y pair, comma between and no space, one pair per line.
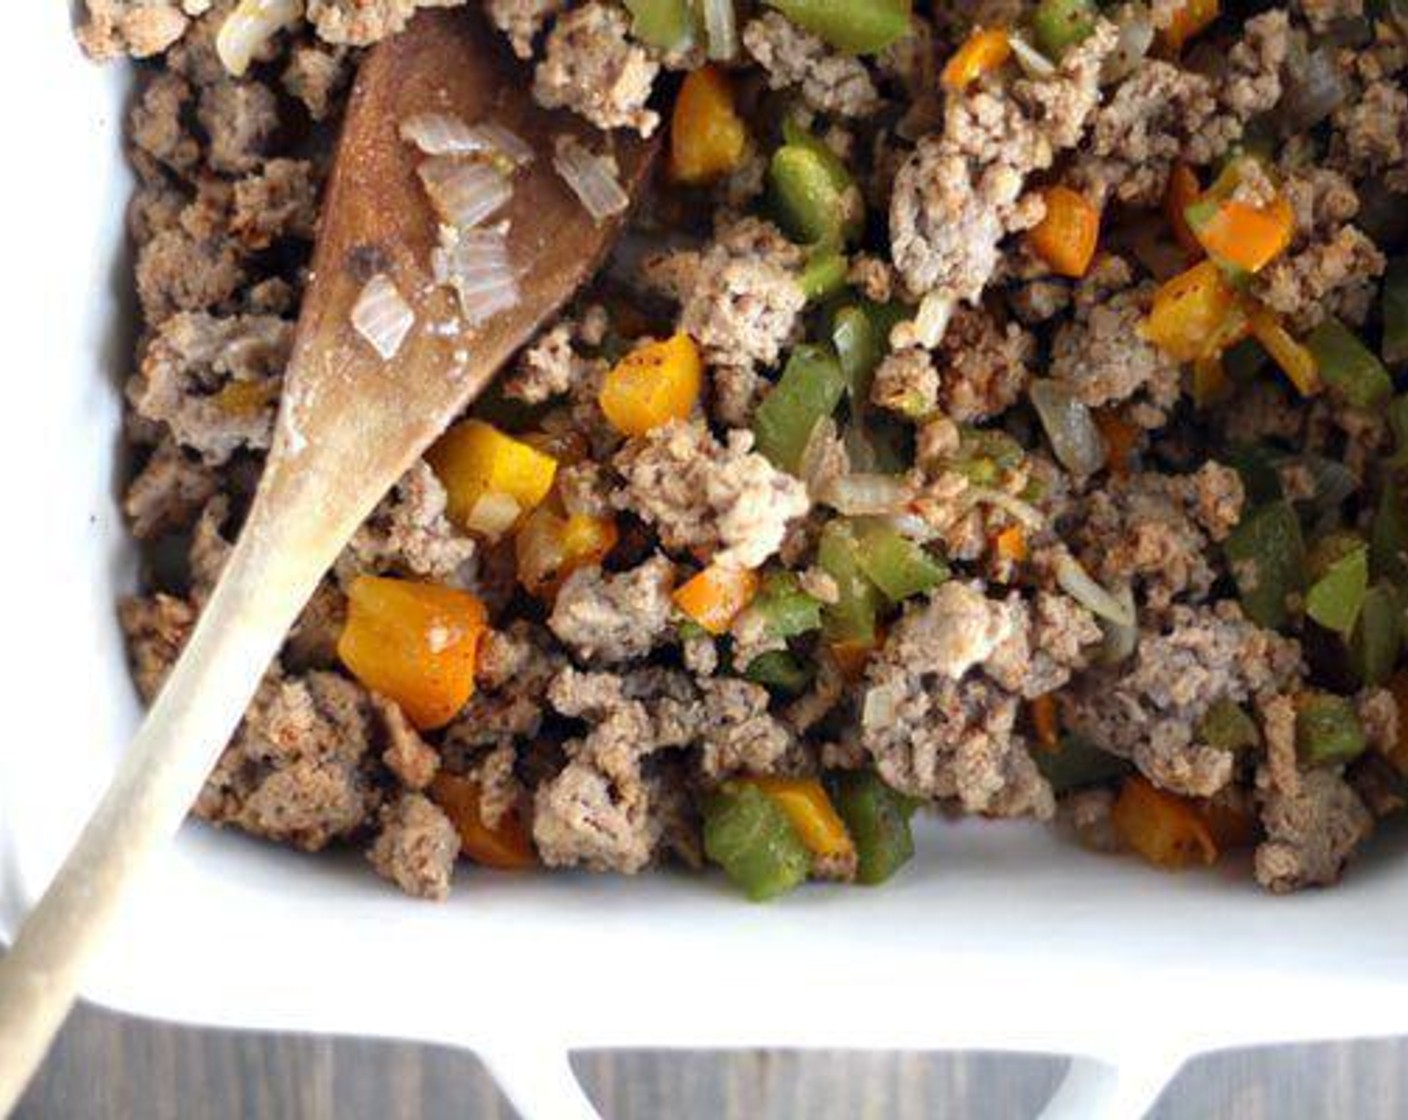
506,846
652,385
708,139
1045,721
1165,829
1011,544
247,398
416,643
476,461
1247,237
1192,17
984,51
1296,361
1195,313
807,806
852,656
1183,191
1211,385
1232,825
1067,236
550,546
1121,440
716,595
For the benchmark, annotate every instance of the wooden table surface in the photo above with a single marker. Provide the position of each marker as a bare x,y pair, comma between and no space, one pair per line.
107,1067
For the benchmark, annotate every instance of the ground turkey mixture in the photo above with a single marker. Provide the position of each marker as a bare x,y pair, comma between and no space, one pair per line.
993,412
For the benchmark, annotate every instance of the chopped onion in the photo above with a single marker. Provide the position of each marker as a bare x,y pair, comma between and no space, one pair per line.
824,454
913,526
935,310
591,177
444,134
866,495
1075,581
493,515
1119,640
252,24
1314,88
475,263
1069,425
1136,36
720,29
881,706
1033,63
1010,504
382,316
464,192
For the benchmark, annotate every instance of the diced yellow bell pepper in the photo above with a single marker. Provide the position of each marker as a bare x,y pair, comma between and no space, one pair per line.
716,595
1296,361
1195,313
1067,236
652,385
475,459
810,810
416,643
550,546
983,51
708,139
1165,829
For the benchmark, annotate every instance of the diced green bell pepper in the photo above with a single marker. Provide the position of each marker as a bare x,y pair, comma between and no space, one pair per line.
859,348
1255,465
1076,763
1227,726
877,818
1397,412
1339,575
810,388
1388,534
1349,366
1328,730
852,617
1378,636
749,836
1267,558
895,564
786,609
1395,312
824,274
852,26
1058,25
665,24
779,669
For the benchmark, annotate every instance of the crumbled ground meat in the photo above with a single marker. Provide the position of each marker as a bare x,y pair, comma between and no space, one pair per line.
1149,710
829,82
359,23
315,76
280,201
192,365
550,367
739,299
984,365
410,533
407,755
156,630
590,66
522,20
140,28
240,119
416,847
168,493
1330,277
723,500
613,618
1374,133
738,734
312,642
1310,832
907,383
157,126
178,272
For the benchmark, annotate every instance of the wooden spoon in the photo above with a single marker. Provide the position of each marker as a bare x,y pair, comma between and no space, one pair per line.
349,427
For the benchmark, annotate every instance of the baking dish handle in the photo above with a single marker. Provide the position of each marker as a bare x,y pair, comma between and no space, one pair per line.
1118,1087
539,1082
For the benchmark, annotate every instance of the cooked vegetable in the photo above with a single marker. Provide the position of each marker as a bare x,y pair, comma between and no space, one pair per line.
1395,312
1227,726
1328,730
715,596
1183,190
1297,362
749,835
852,617
664,24
1011,544
852,26
1397,413
895,564
787,610
1239,234
382,316
1267,557
507,846
824,275
475,460
811,812
1211,385
1046,723
1195,313
984,51
550,546
592,176
415,643
708,139
810,388
1378,635
1066,237
720,29
1076,763
852,656
1121,438
1166,830
1189,19
1069,426
1314,87
1339,567
1388,537
652,385
779,669
877,819
1349,366
1058,25
859,348
815,197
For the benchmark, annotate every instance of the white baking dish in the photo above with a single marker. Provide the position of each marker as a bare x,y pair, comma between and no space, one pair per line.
995,937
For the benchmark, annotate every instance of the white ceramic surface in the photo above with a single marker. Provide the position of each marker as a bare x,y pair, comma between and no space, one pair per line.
996,937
